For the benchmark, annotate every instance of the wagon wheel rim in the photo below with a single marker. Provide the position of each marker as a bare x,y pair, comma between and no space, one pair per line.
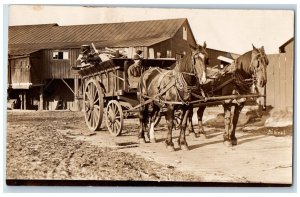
177,119
114,118
93,105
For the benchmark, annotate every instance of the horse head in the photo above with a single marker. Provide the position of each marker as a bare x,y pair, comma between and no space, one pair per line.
259,62
200,61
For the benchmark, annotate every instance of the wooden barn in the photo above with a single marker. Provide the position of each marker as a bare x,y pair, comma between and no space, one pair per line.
217,57
41,56
280,74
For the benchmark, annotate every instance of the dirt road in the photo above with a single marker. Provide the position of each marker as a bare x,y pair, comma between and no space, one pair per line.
58,145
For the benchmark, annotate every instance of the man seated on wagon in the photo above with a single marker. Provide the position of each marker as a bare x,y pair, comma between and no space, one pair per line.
87,57
135,70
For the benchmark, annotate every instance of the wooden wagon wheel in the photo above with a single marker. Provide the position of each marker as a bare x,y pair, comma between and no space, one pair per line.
177,119
114,117
93,105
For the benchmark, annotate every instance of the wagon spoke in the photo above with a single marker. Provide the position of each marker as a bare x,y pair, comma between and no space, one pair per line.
96,114
113,109
89,97
89,114
95,117
94,93
116,127
96,100
97,107
113,127
118,123
91,119
89,88
116,111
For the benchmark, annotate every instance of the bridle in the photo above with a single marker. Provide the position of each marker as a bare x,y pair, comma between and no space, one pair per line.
243,83
260,57
181,83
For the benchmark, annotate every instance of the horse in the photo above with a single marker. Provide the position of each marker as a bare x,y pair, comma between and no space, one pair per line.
171,88
243,76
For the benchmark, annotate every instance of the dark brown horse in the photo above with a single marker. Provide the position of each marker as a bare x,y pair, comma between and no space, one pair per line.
248,71
170,88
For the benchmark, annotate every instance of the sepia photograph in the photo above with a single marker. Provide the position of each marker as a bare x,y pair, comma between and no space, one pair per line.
144,96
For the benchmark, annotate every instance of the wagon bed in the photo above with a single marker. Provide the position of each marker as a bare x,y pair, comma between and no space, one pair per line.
106,86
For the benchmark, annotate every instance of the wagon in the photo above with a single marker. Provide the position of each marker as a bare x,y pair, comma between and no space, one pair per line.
108,96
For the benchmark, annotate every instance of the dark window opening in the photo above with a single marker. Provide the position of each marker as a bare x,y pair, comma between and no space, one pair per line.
60,55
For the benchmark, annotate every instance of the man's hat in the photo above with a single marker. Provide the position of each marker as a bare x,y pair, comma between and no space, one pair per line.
85,47
139,51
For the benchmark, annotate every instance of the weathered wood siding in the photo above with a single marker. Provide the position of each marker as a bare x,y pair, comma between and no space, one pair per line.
280,75
177,45
20,70
36,70
59,68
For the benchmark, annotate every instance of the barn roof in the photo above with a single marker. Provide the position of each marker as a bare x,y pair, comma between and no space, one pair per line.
140,33
281,48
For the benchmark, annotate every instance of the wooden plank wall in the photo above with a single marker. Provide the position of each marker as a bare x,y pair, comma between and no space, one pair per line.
59,68
280,81
20,70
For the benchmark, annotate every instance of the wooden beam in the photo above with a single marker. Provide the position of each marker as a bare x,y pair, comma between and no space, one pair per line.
68,85
41,106
76,93
21,100
25,100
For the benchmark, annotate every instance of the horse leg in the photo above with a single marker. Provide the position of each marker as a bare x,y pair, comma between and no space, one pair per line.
200,113
169,119
143,117
235,118
154,115
190,124
227,121
182,140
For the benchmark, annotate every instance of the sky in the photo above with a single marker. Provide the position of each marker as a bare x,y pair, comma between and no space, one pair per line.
229,30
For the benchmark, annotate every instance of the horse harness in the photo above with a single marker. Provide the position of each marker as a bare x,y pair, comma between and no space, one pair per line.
241,84
178,81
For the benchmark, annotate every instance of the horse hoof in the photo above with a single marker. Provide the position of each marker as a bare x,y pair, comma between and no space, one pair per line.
142,140
197,135
170,148
153,140
184,147
234,142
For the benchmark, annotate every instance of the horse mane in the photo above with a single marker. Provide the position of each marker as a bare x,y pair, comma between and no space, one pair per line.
243,62
184,64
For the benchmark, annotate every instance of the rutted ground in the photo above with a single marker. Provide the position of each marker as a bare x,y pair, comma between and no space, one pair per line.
58,145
